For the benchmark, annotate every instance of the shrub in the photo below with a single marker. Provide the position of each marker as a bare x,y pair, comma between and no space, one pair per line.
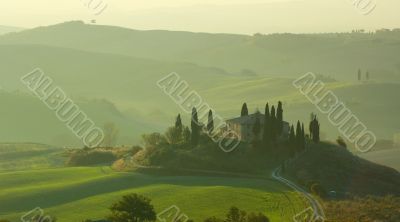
87,158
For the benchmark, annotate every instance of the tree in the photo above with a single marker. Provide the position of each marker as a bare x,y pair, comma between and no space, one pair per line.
110,134
235,215
245,111
178,122
186,134
292,142
210,124
195,128
299,139
273,124
314,130
257,129
303,137
252,217
153,139
267,126
279,118
173,135
132,208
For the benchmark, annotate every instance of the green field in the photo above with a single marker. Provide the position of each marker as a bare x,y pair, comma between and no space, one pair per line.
29,156
74,194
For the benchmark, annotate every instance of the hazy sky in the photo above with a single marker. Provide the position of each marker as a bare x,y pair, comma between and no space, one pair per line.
231,16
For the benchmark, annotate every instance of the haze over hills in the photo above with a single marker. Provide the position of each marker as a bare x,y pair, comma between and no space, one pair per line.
339,55
8,29
87,61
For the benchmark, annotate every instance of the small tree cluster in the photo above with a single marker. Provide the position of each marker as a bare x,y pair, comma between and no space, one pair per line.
297,139
273,124
236,215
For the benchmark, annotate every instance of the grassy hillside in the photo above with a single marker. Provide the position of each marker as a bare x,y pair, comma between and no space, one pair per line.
23,156
73,194
338,55
137,105
29,120
341,171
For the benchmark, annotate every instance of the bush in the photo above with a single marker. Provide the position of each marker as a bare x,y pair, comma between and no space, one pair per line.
87,158
132,208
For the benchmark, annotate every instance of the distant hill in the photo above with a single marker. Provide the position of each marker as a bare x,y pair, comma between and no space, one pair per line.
27,119
336,169
388,157
8,29
28,156
338,54
129,84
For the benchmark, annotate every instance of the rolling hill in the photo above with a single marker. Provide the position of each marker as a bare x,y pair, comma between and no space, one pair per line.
75,194
29,156
137,105
287,55
343,172
8,29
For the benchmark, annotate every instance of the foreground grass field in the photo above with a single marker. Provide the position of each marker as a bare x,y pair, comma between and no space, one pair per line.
74,194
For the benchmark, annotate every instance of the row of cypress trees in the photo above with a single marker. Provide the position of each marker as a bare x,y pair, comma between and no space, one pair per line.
273,128
273,123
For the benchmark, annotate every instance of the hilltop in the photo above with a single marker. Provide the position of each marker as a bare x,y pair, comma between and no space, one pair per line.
8,29
285,55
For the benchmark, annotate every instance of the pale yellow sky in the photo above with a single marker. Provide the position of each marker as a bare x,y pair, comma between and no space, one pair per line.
231,16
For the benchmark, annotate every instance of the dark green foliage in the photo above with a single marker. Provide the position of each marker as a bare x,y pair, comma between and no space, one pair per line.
174,135
314,129
245,111
178,122
267,127
236,215
186,135
292,142
274,130
132,208
279,118
257,129
299,139
210,124
252,217
195,126
91,157
303,137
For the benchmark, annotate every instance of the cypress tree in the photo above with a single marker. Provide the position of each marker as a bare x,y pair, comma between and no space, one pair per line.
195,127
303,137
298,137
273,125
267,126
314,130
292,142
210,124
279,118
178,122
245,111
